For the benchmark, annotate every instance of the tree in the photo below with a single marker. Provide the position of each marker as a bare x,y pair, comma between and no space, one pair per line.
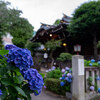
32,46
57,22
4,17
98,45
21,30
52,45
10,21
86,22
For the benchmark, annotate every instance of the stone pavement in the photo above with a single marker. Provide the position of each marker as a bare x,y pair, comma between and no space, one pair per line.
46,95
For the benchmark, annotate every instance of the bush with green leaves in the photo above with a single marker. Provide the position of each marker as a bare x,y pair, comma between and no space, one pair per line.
91,62
17,79
54,86
56,73
64,57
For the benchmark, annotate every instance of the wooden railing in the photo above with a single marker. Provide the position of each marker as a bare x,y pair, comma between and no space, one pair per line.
93,72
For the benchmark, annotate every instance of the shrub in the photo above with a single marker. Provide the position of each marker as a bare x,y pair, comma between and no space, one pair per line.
64,57
54,86
54,74
91,63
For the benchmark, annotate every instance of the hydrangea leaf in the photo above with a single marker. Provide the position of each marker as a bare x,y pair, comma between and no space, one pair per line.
20,91
3,52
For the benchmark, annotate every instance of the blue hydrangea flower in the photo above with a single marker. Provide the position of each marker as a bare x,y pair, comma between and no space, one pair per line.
92,88
1,57
92,60
20,57
70,71
99,90
63,78
0,92
69,80
90,64
35,80
98,62
10,46
98,78
62,83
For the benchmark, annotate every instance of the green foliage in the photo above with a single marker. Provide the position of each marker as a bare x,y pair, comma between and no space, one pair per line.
53,44
10,21
54,74
42,74
57,22
54,86
12,81
86,19
98,45
32,46
7,16
95,86
64,57
88,62
21,30
90,79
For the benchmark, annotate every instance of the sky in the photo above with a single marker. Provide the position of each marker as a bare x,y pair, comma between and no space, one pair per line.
45,11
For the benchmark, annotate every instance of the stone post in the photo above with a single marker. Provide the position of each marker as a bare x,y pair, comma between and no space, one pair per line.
78,88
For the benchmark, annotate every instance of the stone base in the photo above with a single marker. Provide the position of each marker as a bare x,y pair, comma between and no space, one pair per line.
69,96
92,96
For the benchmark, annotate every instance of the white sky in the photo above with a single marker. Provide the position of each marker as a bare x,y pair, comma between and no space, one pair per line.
45,11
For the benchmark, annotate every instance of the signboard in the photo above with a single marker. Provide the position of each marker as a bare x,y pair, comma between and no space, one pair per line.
80,66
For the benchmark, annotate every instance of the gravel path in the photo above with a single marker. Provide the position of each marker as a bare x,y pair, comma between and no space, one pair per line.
46,95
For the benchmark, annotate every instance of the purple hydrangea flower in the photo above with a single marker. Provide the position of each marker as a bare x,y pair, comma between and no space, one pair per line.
92,60
45,87
10,46
49,70
62,83
63,70
69,75
34,79
92,88
53,68
20,57
0,92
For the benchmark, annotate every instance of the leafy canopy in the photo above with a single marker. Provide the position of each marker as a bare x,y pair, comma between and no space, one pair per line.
86,19
10,21
53,44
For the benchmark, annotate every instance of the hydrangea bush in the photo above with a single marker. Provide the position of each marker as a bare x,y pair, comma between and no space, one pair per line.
91,63
17,79
66,78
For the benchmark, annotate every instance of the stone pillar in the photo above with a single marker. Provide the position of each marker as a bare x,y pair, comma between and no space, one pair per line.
78,88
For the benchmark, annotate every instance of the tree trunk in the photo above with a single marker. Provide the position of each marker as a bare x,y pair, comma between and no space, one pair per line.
95,47
52,58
